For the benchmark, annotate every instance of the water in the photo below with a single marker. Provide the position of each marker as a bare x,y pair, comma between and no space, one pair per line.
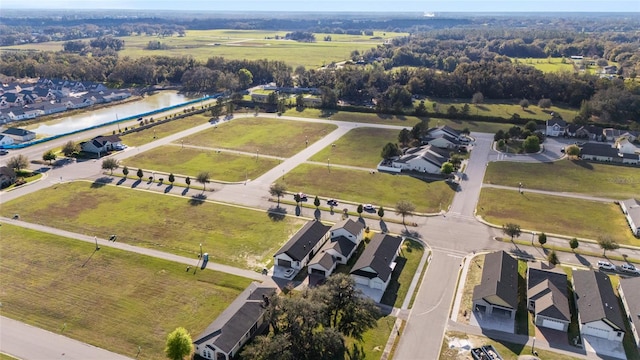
92,118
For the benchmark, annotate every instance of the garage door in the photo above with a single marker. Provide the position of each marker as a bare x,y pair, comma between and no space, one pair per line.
553,324
588,330
285,263
318,272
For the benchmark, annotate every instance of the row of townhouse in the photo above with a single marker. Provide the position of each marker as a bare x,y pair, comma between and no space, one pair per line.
558,127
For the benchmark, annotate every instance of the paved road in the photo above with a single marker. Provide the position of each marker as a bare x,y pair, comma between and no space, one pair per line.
28,342
553,193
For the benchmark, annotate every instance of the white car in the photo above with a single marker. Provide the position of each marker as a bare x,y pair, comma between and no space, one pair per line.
369,207
605,265
289,273
630,269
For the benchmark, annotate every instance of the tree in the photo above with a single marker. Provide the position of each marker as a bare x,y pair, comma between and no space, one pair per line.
179,344
203,178
125,171
405,208
277,189
544,103
389,151
18,162
421,109
49,156
532,126
606,243
447,168
172,178
511,230
572,150
245,77
110,164
69,148
553,258
404,136
316,202
531,144
456,160
466,109
542,238
297,198
477,98
360,209
499,135
573,243
299,101
140,174
381,212
524,103
188,181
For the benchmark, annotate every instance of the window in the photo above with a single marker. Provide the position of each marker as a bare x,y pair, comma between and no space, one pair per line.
619,334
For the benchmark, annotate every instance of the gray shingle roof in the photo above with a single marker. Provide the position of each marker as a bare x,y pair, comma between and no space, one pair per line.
631,290
598,149
378,255
499,278
17,131
352,227
300,244
548,288
596,300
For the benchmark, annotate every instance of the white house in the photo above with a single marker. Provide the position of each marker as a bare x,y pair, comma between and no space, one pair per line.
375,265
302,246
445,130
629,291
237,324
547,296
6,140
555,127
19,135
625,146
427,159
497,293
599,314
101,144
631,210
346,235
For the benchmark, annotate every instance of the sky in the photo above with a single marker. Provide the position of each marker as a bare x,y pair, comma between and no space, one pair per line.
624,6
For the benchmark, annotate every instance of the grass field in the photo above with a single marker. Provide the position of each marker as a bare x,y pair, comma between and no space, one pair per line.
399,120
270,136
358,147
406,267
163,130
612,181
379,189
222,166
555,214
231,235
375,340
118,300
474,275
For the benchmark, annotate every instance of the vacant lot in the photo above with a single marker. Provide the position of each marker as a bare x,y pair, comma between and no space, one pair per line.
222,166
112,299
555,214
234,236
163,130
612,181
363,187
268,136
358,147
375,340
406,267
474,277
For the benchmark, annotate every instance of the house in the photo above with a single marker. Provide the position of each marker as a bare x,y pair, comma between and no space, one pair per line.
600,152
497,292
78,103
52,107
444,130
556,127
599,314
101,144
426,159
547,296
624,146
19,135
375,265
610,70
237,324
631,210
7,176
345,236
260,98
443,141
302,246
590,132
6,140
629,291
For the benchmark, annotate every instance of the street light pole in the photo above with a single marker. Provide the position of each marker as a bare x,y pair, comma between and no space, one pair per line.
96,240
533,345
533,236
201,250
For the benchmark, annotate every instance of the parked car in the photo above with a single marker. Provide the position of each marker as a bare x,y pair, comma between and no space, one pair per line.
205,257
605,265
630,269
3,152
288,273
332,202
303,196
369,207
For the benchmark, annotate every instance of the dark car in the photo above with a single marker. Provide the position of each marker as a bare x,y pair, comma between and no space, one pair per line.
332,202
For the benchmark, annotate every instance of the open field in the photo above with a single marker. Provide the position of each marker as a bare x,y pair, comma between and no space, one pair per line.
242,44
399,120
231,235
576,176
359,147
112,299
379,189
555,214
508,351
549,65
269,136
406,267
222,166
163,130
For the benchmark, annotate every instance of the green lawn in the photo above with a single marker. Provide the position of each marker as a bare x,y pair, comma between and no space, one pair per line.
359,147
474,277
112,299
362,187
231,235
4,356
612,181
163,130
223,166
269,136
555,214
406,267
374,340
